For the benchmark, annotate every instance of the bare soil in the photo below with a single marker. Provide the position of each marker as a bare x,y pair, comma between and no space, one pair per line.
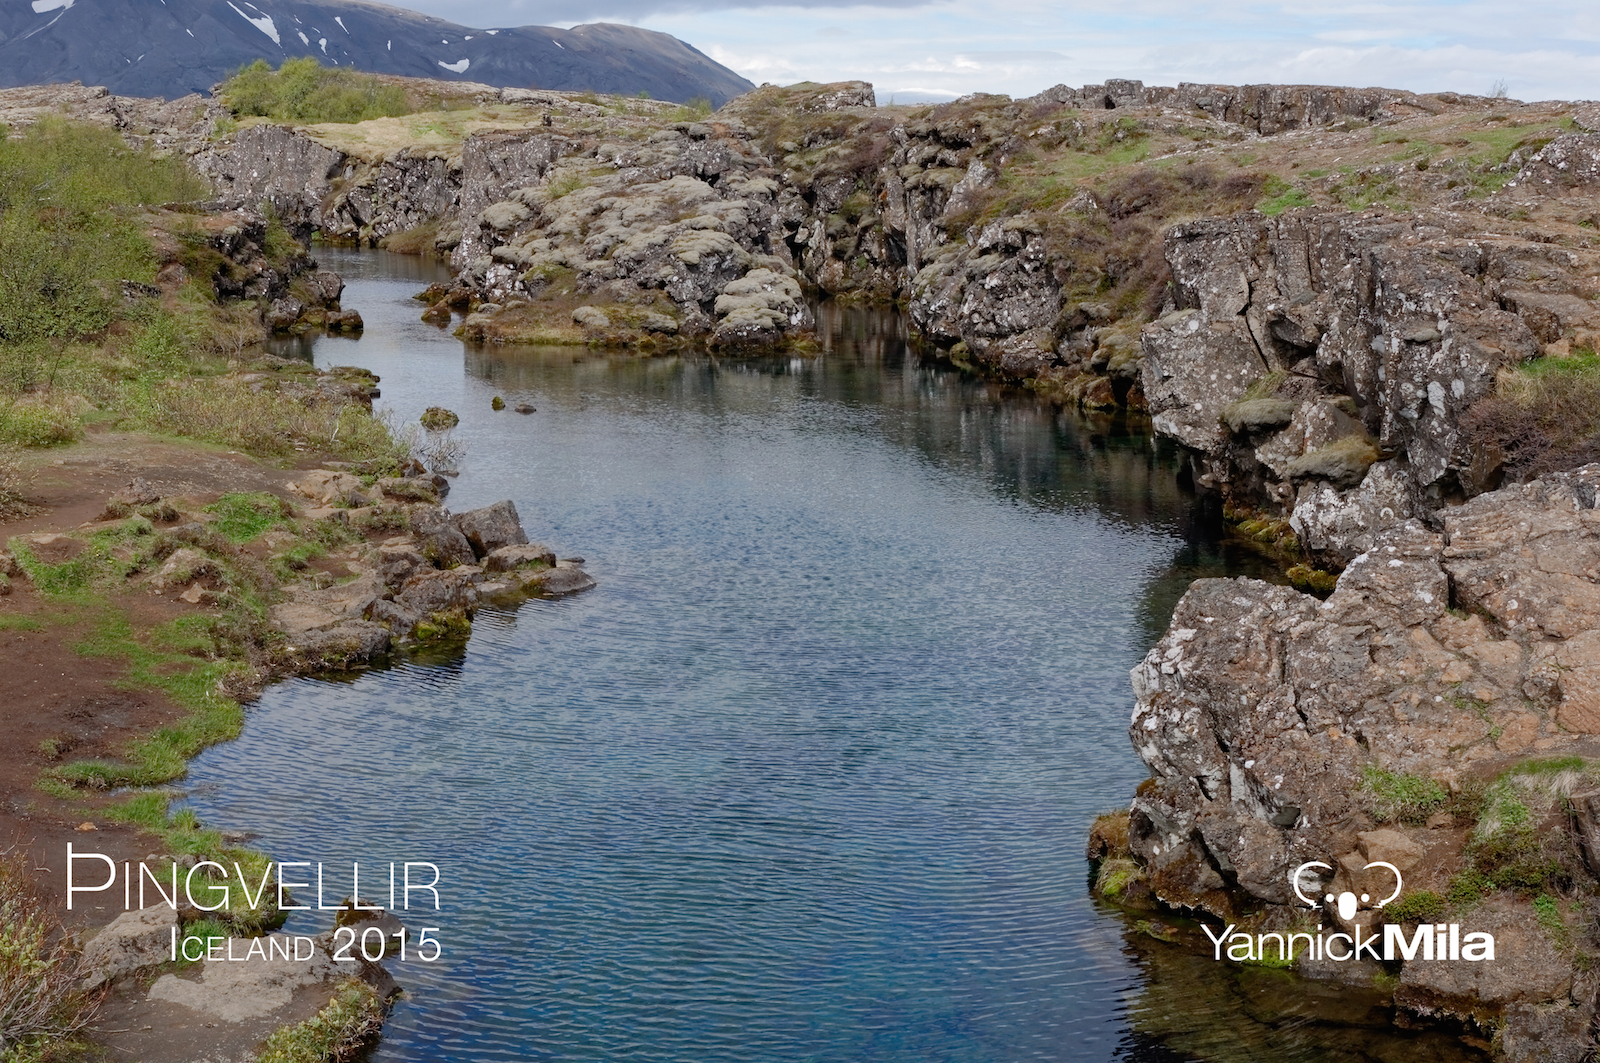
58,704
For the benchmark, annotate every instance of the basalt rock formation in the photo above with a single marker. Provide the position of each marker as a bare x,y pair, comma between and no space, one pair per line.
1439,712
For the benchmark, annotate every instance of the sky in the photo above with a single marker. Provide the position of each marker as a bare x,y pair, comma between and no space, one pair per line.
912,50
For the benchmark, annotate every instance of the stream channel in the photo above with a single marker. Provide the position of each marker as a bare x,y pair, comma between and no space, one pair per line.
809,775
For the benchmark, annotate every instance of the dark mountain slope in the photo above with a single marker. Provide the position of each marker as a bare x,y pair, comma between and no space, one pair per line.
172,47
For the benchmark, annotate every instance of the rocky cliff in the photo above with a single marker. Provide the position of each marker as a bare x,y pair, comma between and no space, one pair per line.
1438,712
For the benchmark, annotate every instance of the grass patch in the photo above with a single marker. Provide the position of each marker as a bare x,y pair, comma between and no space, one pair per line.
1279,196
243,517
1418,906
337,1033
1401,797
1552,920
303,90
162,661
1115,876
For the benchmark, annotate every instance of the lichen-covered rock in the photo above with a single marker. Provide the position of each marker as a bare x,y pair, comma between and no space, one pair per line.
441,540
567,577
239,991
1342,523
507,558
1406,313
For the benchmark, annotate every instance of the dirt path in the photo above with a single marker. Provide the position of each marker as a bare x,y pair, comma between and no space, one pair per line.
58,704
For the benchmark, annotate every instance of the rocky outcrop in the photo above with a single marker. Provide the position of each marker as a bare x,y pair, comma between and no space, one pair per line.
132,941
1378,332
420,586
180,125
1265,109
651,231
1281,730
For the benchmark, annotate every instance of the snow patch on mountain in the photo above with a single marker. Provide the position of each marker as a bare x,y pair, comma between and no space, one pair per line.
264,23
456,68
41,6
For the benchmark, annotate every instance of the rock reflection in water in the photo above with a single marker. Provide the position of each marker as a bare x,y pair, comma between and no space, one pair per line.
1192,1007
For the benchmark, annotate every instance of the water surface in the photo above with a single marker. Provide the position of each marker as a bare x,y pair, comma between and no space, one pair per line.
808,776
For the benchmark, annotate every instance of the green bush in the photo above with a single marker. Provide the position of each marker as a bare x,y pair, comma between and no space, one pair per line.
42,1001
70,228
1418,906
303,90
339,1032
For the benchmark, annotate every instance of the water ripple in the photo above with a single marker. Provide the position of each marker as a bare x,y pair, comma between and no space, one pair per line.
807,776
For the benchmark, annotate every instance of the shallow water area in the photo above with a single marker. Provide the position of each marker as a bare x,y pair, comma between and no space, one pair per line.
809,774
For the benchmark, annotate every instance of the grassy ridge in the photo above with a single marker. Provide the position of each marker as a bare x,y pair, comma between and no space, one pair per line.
305,91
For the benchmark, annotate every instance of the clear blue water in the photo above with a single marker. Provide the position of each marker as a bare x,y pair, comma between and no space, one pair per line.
808,776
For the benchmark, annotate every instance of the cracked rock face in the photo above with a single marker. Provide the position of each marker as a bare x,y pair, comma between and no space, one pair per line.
1263,711
1397,325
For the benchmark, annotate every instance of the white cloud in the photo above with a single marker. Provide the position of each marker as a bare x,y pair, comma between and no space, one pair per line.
1545,50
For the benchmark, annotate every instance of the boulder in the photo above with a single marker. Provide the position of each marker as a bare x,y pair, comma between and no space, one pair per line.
134,494
284,313
517,556
346,321
230,992
141,938
439,419
437,592
441,540
1391,847
346,643
490,528
183,567
325,286
330,487
566,578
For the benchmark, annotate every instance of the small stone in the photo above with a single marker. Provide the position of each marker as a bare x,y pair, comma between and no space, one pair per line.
497,403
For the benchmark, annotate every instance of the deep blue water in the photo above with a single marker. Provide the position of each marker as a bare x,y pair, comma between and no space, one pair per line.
809,775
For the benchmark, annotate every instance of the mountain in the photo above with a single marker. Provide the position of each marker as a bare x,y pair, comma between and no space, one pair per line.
173,47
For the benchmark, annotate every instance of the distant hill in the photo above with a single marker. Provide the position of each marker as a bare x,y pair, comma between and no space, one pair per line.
173,47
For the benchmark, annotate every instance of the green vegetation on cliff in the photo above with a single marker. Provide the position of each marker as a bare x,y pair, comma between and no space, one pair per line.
304,91
111,310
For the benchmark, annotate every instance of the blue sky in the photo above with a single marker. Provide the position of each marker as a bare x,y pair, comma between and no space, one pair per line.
1542,50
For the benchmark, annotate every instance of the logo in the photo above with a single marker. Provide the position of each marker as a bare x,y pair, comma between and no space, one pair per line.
1429,941
1346,902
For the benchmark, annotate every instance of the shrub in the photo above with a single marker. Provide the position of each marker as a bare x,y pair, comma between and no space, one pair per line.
1543,418
68,232
41,999
303,90
12,481
337,1033
1416,906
